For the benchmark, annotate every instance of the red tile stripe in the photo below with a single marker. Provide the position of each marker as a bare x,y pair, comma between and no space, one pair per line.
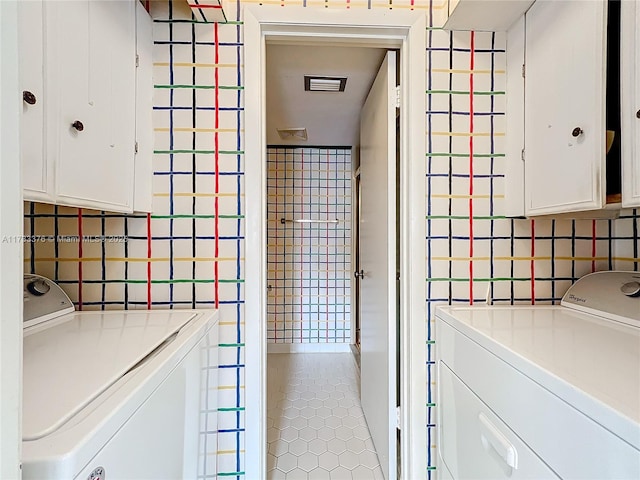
326,258
302,262
149,262
471,66
217,170
79,259
533,264
594,237
276,251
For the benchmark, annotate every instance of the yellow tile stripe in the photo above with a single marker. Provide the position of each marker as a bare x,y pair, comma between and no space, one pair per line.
190,195
322,3
198,130
466,134
467,72
444,195
137,259
198,65
228,452
462,259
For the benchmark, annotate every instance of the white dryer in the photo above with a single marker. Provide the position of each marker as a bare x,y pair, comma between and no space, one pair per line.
542,392
115,395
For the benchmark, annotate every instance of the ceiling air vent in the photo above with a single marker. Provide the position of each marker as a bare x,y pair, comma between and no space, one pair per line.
292,133
314,83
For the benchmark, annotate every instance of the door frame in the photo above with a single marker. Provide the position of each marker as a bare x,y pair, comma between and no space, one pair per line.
402,29
11,247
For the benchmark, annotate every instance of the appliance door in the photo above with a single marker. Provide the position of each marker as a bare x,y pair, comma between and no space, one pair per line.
149,445
160,441
475,443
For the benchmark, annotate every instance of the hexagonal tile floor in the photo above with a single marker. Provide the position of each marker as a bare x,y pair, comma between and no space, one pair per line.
316,428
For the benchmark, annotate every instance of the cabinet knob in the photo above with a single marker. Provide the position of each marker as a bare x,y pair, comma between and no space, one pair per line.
576,132
78,125
638,114
29,97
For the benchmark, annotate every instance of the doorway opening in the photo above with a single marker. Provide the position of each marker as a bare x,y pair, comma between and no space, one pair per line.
317,420
400,30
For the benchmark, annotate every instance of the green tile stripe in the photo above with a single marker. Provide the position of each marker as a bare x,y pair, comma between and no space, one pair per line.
201,87
465,155
201,152
466,279
197,21
230,474
464,92
234,345
231,409
178,280
465,217
197,216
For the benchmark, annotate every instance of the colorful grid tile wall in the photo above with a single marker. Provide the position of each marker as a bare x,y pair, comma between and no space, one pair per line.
189,252
308,264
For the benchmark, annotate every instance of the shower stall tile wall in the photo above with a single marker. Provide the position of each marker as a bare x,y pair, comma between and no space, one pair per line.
309,245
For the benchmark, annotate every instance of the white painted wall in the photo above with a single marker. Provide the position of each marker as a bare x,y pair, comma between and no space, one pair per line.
10,247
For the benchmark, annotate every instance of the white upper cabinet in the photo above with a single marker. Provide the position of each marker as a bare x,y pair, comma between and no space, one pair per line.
483,15
92,50
573,104
565,103
630,102
89,158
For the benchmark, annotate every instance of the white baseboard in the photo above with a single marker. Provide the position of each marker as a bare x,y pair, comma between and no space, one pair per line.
308,348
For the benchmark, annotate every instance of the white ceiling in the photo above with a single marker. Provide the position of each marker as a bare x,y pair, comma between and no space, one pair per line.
331,118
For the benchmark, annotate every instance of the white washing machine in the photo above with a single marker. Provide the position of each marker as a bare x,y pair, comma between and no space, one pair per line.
116,395
542,392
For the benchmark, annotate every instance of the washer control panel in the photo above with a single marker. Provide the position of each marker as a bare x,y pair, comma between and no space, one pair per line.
43,300
614,295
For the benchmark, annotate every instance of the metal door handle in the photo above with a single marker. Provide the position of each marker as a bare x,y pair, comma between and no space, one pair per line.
359,274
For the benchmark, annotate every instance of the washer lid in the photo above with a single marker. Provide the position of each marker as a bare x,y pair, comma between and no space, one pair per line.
614,295
71,360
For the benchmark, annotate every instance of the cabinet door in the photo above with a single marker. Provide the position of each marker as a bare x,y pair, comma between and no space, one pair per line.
630,102
565,107
143,192
36,183
93,64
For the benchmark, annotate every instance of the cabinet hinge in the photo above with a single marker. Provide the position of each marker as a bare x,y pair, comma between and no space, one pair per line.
135,148
522,155
523,70
398,96
137,60
398,418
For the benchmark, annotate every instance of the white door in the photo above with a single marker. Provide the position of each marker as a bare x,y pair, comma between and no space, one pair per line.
565,106
378,263
32,153
630,104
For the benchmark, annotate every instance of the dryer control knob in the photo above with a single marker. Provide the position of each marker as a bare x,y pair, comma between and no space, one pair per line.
38,287
631,289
